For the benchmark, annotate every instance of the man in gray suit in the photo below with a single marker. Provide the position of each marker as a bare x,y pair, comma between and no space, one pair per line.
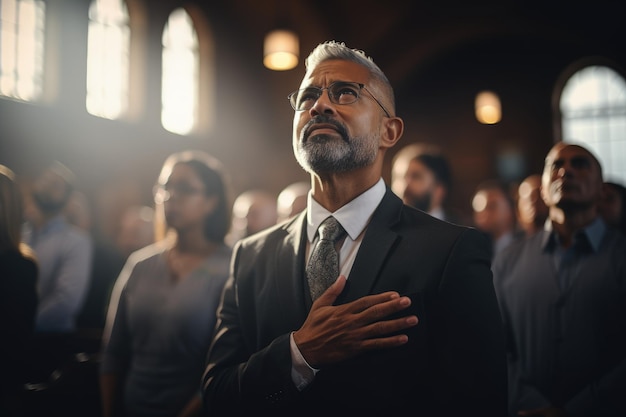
412,321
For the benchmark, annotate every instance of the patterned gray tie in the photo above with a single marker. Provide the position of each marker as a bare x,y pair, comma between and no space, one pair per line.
323,267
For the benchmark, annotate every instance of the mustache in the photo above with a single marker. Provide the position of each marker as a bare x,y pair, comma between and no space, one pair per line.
324,119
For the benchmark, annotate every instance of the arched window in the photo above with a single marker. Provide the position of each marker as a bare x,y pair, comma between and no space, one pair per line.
108,59
593,113
179,98
22,24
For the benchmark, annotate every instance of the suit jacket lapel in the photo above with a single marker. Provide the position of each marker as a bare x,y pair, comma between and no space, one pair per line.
377,242
289,258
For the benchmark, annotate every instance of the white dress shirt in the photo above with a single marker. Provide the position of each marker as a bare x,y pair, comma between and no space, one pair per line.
354,218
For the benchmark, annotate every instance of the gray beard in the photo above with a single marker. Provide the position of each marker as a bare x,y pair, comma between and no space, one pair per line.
325,154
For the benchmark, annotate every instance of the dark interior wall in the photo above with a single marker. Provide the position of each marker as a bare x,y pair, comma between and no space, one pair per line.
438,104
252,132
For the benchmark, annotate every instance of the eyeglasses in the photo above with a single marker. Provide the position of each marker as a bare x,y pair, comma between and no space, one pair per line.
164,192
339,92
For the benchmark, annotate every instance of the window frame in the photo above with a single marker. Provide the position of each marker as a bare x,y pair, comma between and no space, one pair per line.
559,120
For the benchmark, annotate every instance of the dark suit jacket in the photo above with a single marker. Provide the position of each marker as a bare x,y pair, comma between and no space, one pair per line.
454,363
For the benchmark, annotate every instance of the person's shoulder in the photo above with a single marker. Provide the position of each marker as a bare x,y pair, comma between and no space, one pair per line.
418,226
141,264
275,233
74,234
453,215
419,217
520,244
512,249
223,251
148,253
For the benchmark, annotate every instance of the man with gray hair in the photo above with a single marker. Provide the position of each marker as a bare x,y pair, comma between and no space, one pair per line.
360,305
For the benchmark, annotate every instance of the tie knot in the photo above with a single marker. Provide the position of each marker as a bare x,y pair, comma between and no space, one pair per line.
331,229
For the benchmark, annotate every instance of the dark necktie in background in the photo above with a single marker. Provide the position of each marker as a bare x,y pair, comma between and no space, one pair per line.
323,267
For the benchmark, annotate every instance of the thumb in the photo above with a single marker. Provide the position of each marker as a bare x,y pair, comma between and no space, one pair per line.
330,295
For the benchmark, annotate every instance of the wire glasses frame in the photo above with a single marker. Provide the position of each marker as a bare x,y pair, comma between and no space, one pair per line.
165,192
339,92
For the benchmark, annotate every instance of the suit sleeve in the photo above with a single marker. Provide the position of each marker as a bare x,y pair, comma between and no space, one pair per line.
469,336
240,375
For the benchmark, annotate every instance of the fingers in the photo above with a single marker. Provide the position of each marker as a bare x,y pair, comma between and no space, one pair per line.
379,305
372,333
373,307
333,333
332,292
330,295
371,313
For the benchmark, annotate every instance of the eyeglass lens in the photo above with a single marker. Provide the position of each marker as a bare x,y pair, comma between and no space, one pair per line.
338,92
164,192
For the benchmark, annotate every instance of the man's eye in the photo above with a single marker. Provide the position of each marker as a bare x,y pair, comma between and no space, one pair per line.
346,93
308,96
580,163
348,90
556,165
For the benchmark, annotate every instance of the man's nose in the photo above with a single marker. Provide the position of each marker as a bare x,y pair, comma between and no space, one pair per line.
566,170
322,104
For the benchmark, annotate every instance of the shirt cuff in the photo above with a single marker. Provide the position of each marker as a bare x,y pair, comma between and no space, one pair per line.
302,373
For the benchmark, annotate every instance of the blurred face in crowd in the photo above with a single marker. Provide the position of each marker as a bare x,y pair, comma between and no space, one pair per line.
421,186
493,213
185,199
572,178
292,200
532,210
51,192
253,212
611,205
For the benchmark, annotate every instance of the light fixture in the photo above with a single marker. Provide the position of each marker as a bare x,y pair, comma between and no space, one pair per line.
487,107
281,50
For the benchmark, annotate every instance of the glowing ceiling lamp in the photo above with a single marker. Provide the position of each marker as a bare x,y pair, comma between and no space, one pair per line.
487,107
281,50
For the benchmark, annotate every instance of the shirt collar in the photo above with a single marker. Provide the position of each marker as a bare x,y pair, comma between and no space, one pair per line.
56,223
353,216
593,233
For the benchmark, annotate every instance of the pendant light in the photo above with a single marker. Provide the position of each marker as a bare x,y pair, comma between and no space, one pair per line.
487,107
281,50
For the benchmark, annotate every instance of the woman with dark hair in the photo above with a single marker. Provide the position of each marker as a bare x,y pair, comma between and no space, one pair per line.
18,294
163,307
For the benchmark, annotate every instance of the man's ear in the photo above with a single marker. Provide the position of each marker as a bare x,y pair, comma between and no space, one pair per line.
392,129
